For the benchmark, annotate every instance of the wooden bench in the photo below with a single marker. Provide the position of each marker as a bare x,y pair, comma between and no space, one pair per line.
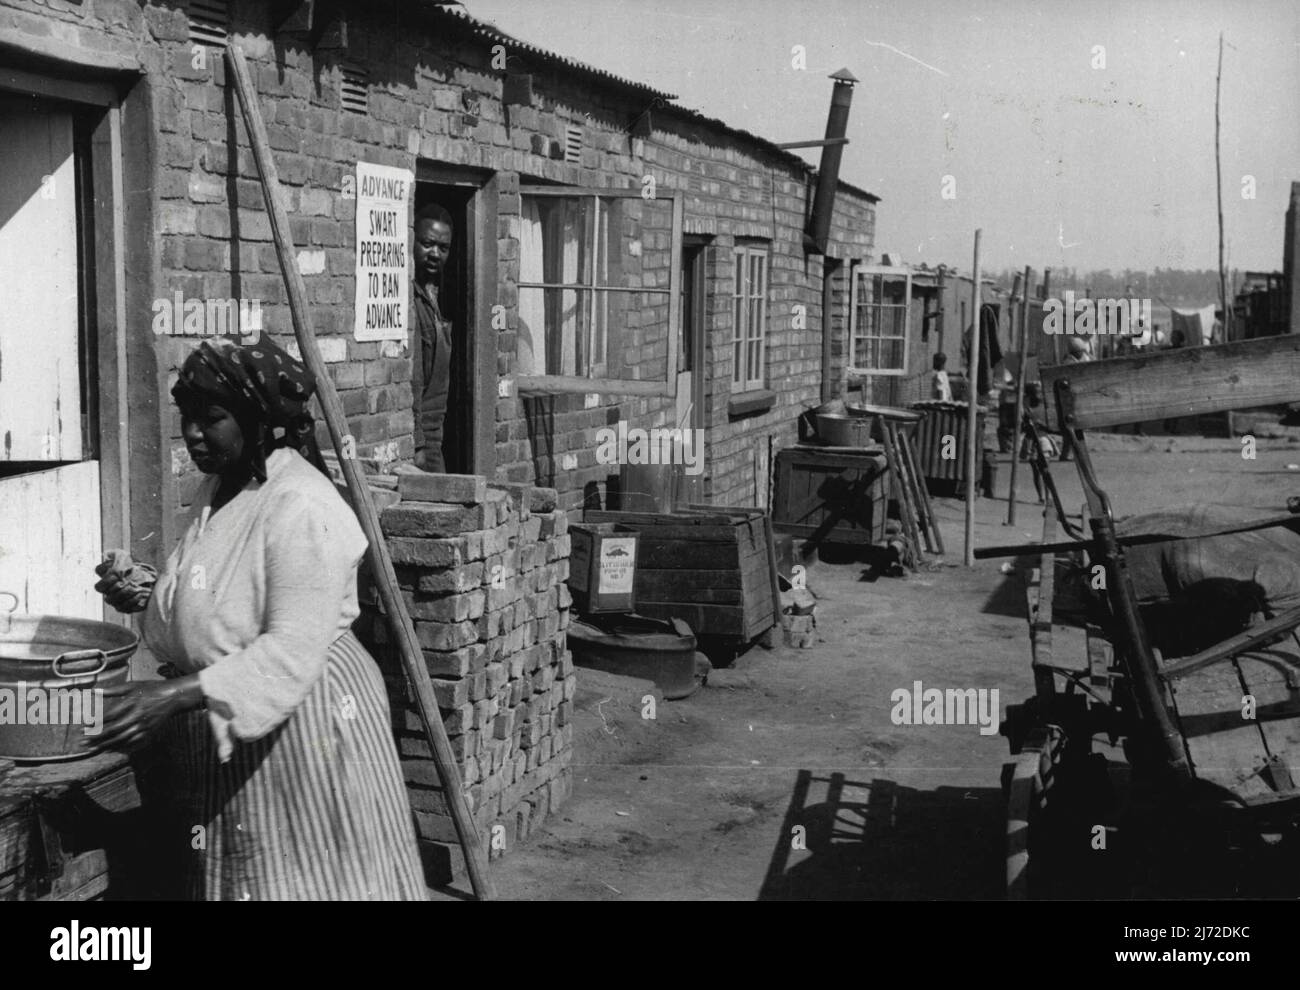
70,829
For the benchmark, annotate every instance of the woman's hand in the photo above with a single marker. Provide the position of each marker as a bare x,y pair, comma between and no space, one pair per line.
125,585
135,711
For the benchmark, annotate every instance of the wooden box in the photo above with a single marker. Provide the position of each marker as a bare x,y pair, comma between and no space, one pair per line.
602,568
709,567
831,495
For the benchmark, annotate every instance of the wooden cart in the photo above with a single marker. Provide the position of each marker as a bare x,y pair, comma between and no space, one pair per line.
1137,773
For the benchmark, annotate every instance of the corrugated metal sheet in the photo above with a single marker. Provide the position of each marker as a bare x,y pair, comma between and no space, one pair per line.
943,419
492,33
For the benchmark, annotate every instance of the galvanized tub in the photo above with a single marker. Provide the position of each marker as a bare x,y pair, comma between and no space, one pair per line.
52,669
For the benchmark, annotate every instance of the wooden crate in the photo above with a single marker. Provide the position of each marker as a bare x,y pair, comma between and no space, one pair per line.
709,567
602,566
831,495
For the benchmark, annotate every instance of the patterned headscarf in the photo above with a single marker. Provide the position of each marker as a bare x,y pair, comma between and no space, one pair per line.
265,389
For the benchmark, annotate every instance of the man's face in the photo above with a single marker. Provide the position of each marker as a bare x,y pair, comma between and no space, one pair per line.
432,247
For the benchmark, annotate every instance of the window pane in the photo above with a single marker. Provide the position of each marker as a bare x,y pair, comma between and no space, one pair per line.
553,332
556,239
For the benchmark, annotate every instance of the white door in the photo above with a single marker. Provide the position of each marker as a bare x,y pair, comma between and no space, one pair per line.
50,528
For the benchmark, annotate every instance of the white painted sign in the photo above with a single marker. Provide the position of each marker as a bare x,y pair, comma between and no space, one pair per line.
617,566
383,243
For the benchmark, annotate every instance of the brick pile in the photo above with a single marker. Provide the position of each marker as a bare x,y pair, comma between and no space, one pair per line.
482,568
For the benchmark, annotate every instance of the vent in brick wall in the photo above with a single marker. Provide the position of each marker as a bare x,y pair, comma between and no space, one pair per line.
573,145
355,89
209,21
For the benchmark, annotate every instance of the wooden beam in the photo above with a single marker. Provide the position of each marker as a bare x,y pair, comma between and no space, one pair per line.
822,143
1185,381
402,630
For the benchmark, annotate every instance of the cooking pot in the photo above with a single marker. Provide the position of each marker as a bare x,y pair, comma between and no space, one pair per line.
52,672
842,430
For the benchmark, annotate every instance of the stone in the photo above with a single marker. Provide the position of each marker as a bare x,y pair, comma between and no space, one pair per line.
445,636
542,499
444,608
434,519
460,579
462,489
425,553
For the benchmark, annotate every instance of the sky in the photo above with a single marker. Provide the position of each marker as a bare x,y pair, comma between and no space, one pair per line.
1076,134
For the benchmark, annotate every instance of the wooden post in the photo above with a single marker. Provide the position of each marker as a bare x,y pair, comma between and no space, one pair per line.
380,561
939,322
1218,182
1056,338
1020,394
972,410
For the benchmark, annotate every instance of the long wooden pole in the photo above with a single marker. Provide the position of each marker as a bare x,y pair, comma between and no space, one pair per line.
1218,181
1044,292
1020,393
972,407
380,561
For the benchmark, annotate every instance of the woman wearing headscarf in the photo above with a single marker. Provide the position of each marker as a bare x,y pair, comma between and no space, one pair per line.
275,714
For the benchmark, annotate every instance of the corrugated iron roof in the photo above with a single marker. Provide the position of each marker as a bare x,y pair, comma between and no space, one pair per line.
490,32
764,143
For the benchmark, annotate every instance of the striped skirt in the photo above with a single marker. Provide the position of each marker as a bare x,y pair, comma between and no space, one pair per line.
315,810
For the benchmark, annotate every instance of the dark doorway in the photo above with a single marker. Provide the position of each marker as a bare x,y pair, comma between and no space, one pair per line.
688,486
455,299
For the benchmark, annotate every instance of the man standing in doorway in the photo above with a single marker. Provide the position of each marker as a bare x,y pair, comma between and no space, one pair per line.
431,343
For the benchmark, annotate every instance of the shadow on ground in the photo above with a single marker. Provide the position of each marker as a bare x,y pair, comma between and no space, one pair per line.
884,841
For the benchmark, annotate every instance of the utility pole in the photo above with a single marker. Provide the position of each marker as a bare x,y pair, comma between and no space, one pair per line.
973,440
1218,179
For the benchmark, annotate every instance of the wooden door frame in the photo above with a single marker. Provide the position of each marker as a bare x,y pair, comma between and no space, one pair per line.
481,261
699,246
101,211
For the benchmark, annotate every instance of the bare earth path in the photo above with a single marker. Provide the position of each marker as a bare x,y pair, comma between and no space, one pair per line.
701,803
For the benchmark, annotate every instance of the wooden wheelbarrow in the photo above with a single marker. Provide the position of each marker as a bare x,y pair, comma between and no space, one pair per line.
1211,740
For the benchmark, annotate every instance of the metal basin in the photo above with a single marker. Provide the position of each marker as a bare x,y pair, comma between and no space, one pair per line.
51,668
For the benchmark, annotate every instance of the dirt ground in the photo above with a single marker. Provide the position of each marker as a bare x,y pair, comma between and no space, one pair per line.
701,802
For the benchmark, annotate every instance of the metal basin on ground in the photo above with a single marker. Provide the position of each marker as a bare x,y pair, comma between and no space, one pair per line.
658,650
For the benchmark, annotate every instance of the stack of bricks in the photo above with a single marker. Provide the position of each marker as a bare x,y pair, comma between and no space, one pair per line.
482,569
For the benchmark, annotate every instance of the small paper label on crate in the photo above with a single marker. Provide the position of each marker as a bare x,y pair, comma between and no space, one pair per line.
617,565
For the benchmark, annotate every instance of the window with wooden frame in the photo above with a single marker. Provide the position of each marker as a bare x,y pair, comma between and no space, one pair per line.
749,318
879,311
599,291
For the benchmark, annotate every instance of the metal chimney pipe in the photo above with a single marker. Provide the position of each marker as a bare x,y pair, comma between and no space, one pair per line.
828,175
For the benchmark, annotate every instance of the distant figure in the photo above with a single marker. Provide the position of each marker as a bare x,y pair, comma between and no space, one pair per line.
940,387
1006,412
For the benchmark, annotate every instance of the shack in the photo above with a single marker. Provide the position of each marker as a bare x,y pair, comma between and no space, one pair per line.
120,112
905,314
620,263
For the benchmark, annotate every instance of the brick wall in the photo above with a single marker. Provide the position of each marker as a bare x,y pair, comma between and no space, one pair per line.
434,97
482,571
